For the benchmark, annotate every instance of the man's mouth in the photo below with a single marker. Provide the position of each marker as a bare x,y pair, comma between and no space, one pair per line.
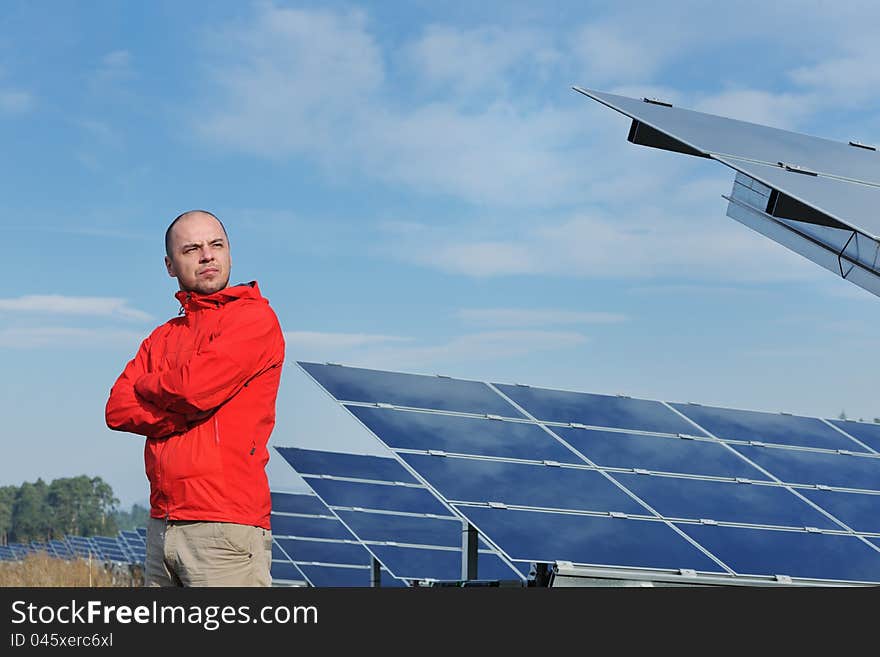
208,271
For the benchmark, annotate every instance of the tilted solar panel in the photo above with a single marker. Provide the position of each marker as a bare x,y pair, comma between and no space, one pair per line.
311,545
815,196
638,484
401,523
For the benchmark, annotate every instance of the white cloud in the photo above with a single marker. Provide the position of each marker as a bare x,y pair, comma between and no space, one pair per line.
63,305
474,347
13,101
779,110
38,337
330,341
115,66
313,84
384,351
536,317
476,60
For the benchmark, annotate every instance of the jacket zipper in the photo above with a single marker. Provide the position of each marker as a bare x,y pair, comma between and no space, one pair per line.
216,430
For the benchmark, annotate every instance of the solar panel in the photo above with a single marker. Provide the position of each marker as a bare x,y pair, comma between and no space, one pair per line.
638,484
815,196
311,545
401,523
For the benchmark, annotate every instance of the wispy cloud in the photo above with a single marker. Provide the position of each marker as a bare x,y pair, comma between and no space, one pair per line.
64,305
15,101
287,93
47,337
382,351
473,347
535,317
312,340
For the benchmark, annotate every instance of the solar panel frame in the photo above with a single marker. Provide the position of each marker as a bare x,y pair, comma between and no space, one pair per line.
376,547
401,455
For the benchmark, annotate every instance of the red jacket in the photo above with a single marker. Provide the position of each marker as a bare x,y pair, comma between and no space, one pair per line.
202,389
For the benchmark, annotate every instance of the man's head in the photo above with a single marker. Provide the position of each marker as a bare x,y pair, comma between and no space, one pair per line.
197,252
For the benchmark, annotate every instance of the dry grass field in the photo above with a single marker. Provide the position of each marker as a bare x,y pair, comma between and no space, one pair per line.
43,570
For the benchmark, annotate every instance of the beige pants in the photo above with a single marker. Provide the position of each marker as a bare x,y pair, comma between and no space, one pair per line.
189,553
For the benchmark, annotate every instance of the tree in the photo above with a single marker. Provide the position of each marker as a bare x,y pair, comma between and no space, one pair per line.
82,506
31,516
137,517
7,500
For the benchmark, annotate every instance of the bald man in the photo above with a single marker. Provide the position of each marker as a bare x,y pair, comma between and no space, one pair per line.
202,390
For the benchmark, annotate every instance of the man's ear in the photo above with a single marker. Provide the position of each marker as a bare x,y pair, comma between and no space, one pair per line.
170,267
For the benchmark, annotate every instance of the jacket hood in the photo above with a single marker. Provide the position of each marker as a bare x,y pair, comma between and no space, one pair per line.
193,300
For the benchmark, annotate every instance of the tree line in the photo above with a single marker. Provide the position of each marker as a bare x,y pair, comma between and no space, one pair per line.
77,506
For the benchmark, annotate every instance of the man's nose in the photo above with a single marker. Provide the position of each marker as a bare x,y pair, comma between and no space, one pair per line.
206,253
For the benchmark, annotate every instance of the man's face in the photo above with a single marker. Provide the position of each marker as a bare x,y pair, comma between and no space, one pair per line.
199,255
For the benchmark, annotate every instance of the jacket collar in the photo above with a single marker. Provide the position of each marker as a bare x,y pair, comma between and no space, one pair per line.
190,301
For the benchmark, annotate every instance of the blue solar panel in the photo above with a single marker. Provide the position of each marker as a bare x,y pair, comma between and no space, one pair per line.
388,497
858,511
354,466
463,435
427,563
522,484
598,410
340,576
595,540
412,390
386,512
332,552
309,527
610,518
298,503
416,530
752,551
795,466
724,501
617,449
733,424
867,433
285,571
300,553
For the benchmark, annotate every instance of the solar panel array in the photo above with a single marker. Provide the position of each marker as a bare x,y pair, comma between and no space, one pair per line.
609,481
311,545
815,196
401,523
127,547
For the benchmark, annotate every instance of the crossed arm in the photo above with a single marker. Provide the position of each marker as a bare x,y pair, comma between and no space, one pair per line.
159,404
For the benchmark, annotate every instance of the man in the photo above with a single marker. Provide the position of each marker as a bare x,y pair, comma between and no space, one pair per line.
202,389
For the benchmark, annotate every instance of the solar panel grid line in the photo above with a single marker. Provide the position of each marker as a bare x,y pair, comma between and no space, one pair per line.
452,516
490,402
301,515
741,441
528,415
434,411
366,547
737,455
865,446
386,512
774,477
536,558
378,482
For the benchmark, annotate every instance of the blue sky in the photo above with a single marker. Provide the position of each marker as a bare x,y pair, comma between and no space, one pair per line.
416,187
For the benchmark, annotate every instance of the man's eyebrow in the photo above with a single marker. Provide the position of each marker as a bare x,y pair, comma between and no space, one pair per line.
211,241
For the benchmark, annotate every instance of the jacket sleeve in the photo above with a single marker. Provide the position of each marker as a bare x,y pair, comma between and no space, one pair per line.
246,344
126,411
